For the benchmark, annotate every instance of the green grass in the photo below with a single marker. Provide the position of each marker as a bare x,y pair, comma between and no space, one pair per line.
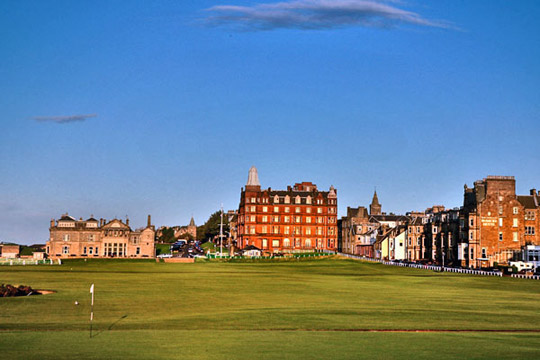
271,309
163,249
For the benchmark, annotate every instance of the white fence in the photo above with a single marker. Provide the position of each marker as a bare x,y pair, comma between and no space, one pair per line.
430,267
24,262
534,277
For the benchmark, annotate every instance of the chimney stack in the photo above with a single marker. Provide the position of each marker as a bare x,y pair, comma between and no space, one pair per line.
52,222
127,221
149,221
533,192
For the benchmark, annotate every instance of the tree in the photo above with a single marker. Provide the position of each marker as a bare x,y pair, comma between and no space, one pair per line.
210,229
167,235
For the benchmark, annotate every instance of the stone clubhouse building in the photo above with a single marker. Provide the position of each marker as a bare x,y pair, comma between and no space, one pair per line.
72,238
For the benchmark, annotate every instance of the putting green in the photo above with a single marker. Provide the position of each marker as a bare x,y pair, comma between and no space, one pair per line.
270,309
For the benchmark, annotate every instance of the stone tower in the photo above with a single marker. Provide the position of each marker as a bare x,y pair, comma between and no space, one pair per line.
375,208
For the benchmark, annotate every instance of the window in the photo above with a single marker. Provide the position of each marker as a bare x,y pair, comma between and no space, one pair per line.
308,210
319,231
276,219
265,208
435,229
84,250
276,208
500,210
297,219
286,231
297,209
500,236
287,199
264,229
252,217
252,208
515,236
297,230
252,230
308,243
138,251
297,199
65,237
515,210
471,222
484,253
286,243
297,243
287,219
275,243
472,253
515,222
90,237
471,235
500,221
97,250
308,231
276,200
276,229
253,200
308,200
529,230
90,250
65,249
265,218
319,210
501,198
287,209
418,242
265,243
308,220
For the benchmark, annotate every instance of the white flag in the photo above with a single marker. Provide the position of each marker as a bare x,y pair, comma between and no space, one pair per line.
92,289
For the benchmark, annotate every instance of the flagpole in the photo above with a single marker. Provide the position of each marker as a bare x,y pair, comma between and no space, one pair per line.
91,309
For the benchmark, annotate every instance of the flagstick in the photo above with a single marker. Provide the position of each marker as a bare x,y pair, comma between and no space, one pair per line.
91,309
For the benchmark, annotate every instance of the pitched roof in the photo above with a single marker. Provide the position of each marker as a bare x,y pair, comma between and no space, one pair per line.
527,201
66,217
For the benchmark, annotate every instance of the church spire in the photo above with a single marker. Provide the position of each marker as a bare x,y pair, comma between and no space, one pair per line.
192,222
375,208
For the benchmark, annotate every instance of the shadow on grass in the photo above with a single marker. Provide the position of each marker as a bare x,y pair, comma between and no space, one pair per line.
110,326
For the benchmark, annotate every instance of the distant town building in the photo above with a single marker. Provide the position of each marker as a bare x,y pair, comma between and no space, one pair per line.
301,218
9,251
496,222
180,232
71,238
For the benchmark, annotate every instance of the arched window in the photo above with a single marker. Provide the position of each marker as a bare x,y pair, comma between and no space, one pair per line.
286,243
308,200
276,199
308,243
287,199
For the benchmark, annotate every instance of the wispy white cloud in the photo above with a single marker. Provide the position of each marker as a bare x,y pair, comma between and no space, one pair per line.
64,119
317,14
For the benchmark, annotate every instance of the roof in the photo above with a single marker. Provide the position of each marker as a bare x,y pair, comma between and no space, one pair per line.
251,247
66,217
192,222
91,219
527,201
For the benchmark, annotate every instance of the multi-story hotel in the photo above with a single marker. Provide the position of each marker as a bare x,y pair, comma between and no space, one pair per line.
496,222
71,238
301,218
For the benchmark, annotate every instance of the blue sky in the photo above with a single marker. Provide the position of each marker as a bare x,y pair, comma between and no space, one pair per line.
117,108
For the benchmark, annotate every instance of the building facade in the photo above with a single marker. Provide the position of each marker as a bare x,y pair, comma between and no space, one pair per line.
496,222
301,218
71,238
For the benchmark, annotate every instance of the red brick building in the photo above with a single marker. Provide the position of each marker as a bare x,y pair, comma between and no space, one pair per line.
301,218
496,222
